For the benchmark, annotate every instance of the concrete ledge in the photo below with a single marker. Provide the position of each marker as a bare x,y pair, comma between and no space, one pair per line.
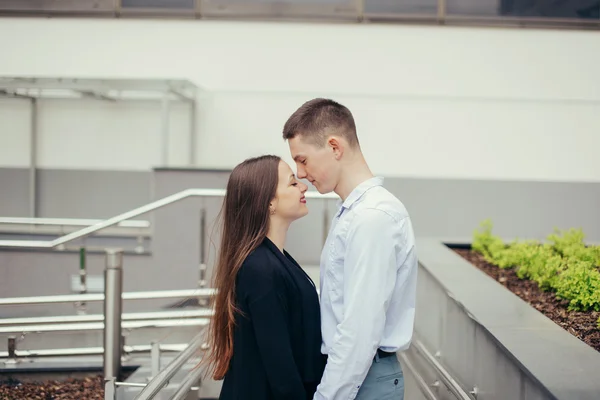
494,341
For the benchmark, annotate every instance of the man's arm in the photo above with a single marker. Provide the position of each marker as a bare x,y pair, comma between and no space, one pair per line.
370,272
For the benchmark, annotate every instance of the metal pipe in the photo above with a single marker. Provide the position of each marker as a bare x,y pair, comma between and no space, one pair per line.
139,384
187,384
445,376
157,383
110,390
70,222
164,129
441,10
131,214
425,390
155,359
92,297
113,306
33,184
174,314
193,132
94,326
91,351
130,384
12,347
82,273
203,302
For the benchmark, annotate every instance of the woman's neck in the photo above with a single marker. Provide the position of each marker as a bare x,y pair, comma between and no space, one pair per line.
278,232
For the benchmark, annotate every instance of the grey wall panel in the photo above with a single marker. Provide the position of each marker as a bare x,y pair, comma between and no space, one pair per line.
454,208
74,193
91,194
14,192
177,227
439,207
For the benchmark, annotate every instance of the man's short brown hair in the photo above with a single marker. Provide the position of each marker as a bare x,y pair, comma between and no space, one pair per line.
318,118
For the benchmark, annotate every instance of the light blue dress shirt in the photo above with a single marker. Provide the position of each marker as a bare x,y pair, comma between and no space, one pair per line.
368,282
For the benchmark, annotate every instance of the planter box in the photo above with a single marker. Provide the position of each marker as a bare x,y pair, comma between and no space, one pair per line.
492,342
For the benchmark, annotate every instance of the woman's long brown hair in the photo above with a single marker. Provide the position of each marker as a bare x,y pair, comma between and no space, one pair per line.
244,225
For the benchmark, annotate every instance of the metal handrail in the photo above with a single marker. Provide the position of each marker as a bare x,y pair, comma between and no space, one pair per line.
46,244
92,351
142,316
70,222
158,381
71,298
452,385
97,326
187,384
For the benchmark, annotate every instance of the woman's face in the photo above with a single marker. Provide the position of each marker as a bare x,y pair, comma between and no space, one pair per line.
289,202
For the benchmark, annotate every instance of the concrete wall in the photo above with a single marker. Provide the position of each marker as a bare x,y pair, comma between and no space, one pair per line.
430,102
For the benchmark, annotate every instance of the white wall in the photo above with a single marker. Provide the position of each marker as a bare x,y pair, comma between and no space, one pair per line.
429,101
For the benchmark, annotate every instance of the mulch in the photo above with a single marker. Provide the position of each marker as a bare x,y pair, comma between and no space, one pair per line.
90,388
582,325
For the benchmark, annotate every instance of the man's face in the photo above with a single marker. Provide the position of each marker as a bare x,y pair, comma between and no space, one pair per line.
316,164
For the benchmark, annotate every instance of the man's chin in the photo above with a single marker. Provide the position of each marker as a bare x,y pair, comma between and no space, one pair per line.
321,189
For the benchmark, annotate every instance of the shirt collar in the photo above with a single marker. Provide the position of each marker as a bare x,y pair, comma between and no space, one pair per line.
358,192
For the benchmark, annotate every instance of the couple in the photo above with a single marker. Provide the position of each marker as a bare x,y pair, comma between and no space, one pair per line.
271,337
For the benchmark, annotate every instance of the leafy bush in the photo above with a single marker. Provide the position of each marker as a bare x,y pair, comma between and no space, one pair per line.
564,265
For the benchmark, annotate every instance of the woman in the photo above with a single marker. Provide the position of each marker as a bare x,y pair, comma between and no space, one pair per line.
265,337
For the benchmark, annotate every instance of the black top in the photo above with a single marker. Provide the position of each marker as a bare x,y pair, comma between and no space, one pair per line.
277,340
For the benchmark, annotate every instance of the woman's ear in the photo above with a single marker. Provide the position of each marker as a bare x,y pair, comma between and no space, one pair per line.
272,207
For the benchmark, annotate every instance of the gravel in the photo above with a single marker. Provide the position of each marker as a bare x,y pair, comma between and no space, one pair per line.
90,388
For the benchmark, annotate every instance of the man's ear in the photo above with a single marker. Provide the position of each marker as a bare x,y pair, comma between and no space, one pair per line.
336,145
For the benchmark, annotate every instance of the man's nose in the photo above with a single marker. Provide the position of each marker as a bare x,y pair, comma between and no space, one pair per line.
301,173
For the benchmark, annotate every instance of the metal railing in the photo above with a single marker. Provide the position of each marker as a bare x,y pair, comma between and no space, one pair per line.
112,321
139,229
48,244
69,222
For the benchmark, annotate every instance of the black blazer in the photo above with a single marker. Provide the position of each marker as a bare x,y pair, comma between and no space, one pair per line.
277,338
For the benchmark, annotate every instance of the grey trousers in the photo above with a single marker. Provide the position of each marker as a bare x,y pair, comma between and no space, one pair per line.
384,381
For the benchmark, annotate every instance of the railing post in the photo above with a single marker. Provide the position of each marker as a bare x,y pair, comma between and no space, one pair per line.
110,390
81,306
113,307
202,268
154,359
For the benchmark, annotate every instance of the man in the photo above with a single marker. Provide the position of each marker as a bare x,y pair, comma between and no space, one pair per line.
368,263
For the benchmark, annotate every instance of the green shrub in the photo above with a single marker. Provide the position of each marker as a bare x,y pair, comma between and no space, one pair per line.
580,284
564,265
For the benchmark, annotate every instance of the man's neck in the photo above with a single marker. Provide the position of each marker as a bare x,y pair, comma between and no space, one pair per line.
354,173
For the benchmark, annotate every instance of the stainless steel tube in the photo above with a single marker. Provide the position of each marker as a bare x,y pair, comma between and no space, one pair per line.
90,297
113,306
90,351
94,326
448,380
41,244
158,382
140,316
110,391
187,384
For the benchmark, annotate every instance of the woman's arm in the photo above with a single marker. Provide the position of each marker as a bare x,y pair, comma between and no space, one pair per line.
265,295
